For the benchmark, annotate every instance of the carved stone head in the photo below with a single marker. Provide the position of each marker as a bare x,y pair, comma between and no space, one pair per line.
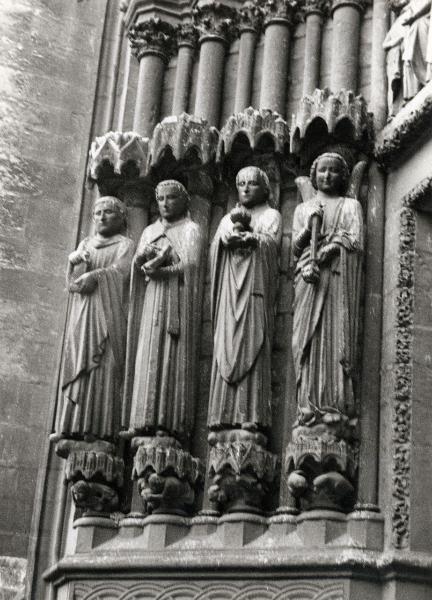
330,174
109,216
173,200
253,186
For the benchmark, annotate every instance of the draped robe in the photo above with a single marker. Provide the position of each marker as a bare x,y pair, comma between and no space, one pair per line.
244,285
89,401
326,314
162,344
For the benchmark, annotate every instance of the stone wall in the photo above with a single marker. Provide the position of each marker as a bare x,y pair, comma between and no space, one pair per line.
49,55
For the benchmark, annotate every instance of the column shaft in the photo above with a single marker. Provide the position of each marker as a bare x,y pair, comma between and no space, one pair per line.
183,79
210,79
149,92
312,53
378,101
346,34
275,66
245,70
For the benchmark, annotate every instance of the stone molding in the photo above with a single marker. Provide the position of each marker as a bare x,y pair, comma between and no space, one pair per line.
206,590
358,4
215,20
154,37
398,138
280,11
187,35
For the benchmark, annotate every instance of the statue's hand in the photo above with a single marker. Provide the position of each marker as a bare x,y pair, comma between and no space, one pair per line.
249,240
311,273
234,240
315,209
85,284
79,256
327,252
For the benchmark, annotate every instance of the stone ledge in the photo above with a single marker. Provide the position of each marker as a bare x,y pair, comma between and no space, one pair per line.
12,576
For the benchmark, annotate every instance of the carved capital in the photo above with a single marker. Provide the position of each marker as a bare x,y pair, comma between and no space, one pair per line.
187,35
283,11
153,37
251,16
167,475
94,470
184,134
321,7
215,20
241,470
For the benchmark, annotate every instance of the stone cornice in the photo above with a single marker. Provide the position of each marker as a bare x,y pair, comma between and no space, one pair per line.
155,37
398,137
280,11
215,20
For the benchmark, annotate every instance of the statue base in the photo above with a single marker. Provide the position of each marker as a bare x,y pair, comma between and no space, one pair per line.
241,470
168,476
95,472
321,470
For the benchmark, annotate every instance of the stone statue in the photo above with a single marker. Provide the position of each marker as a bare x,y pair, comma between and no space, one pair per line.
244,272
409,51
326,307
89,402
164,314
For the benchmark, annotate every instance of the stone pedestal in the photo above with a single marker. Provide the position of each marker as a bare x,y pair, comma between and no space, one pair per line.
241,470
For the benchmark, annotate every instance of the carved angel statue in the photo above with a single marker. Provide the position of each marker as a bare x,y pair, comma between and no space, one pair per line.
328,246
162,344
89,402
244,274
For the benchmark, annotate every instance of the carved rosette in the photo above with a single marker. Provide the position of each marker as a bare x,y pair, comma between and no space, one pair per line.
183,134
344,114
96,474
282,11
155,37
117,154
168,476
215,20
241,470
187,35
321,470
255,124
251,16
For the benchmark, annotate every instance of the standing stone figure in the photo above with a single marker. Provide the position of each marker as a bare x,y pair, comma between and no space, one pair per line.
162,345
244,275
89,403
326,307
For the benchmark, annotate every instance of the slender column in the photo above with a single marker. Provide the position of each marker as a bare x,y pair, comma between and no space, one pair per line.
378,100
346,36
216,24
187,38
152,42
314,13
250,22
114,62
274,80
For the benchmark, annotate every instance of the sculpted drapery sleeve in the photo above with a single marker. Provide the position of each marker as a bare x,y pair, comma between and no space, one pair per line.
160,378
242,295
94,351
326,315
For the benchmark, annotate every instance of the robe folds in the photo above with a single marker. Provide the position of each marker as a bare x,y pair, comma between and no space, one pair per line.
90,395
162,334
326,315
243,289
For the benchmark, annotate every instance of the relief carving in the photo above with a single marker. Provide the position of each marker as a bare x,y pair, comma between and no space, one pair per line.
153,36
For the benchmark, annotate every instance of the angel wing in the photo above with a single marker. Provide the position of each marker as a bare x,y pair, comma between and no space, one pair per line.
305,187
356,179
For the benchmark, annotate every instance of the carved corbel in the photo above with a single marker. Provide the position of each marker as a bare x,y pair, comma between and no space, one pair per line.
95,472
